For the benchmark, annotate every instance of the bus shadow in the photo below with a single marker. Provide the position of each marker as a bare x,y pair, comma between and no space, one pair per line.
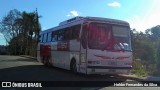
43,73
20,60
56,75
27,60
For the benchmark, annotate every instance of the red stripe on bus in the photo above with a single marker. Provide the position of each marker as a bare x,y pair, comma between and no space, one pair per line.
103,57
122,58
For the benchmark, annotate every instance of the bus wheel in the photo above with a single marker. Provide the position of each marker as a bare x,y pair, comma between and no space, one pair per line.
73,66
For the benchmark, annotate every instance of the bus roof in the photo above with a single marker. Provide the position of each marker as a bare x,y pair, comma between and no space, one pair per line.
79,20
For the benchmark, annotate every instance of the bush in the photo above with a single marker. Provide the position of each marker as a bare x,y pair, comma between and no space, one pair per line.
139,69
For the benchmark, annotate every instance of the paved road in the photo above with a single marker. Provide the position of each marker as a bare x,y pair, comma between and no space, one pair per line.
16,68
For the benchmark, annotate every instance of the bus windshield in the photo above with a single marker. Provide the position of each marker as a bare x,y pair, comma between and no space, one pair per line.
106,37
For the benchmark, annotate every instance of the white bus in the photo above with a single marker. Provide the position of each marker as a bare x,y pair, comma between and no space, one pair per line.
89,45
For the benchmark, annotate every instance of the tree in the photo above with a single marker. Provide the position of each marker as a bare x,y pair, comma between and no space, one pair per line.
7,25
155,32
8,28
144,48
21,30
31,27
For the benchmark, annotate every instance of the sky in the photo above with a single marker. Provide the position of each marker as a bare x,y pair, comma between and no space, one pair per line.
141,14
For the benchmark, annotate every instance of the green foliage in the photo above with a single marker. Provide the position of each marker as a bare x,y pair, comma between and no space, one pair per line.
155,33
139,69
21,30
146,47
7,25
146,52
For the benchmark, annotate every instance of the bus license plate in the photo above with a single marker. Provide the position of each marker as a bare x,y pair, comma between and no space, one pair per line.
112,63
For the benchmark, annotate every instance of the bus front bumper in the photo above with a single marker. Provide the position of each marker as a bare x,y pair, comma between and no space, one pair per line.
108,70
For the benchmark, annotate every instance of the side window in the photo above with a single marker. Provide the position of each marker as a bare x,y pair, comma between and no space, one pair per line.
63,31
54,36
45,37
60,35
75,31
67,34
42,37
49,36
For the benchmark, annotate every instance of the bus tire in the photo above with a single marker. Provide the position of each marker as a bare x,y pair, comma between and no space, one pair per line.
73,66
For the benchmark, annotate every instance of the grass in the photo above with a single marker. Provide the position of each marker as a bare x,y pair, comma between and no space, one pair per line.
139,70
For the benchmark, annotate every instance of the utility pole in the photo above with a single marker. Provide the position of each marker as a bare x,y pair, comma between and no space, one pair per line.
37,25
37,36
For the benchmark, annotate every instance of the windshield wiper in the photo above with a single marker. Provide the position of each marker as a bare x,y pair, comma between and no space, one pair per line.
121,46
